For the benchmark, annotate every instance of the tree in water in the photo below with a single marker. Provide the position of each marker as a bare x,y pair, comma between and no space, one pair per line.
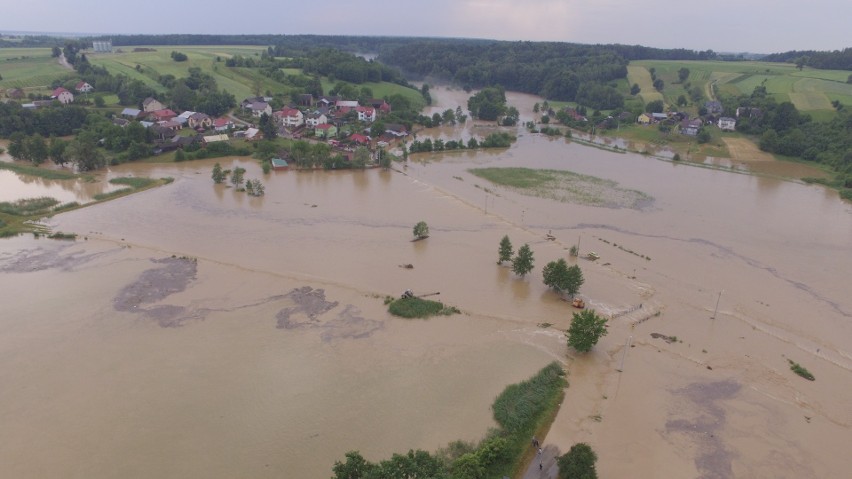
505,250
585,330
421,230
218,174
523,263
562,278
237,177
578,463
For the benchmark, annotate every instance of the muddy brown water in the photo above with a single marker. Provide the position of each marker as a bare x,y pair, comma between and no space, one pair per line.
267,351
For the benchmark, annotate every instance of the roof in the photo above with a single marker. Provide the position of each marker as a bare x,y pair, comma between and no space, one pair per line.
222,122
349,103
290,112
359,138
659,116
279,163
251,132
324,126
199,116
149,100
164,113
81,85
170,124
131,112
214,138
186,114
259,105
60,91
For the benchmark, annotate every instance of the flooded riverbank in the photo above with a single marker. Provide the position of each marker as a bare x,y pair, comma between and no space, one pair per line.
266,350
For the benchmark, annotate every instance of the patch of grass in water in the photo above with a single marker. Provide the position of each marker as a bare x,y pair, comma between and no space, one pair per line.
133,182
39,172
419,308
29,206
564,186
112,194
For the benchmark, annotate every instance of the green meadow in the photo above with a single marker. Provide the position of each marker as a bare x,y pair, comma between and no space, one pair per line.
812,91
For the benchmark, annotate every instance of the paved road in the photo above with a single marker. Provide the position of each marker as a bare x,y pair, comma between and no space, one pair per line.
549,469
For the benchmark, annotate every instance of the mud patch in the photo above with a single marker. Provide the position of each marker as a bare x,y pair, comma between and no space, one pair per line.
713,460
172,276
41,259
311,305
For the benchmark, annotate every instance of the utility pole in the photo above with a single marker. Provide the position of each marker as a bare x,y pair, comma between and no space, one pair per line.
717,305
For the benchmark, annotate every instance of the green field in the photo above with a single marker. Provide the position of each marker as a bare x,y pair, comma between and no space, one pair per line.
29,68
812,91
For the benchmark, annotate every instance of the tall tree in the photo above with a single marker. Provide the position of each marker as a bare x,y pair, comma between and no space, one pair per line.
84,152
585,330
562,278
683,74
237,177
505,250
37,149
524,261
267,126
218,174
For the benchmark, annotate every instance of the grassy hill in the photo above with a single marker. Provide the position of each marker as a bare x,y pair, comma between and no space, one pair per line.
812,91
30,68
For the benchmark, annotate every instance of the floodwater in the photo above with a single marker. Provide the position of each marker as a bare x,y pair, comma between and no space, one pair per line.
268,352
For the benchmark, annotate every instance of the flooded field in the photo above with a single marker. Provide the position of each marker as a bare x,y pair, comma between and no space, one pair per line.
193,331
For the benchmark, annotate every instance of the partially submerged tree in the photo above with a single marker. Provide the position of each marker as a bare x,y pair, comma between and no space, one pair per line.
585,330
421,230
505,250
218,174
562,278
524,261
578,463
237,177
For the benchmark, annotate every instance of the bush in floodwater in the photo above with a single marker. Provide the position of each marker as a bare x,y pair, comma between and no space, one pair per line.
800,370
419,308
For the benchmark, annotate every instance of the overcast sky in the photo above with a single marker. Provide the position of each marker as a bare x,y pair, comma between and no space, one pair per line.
760,26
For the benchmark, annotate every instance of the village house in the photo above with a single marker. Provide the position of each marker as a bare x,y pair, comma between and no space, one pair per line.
645,119
727,124
279,164
258,108
315,119
162,115
171,125
305,99
215,138
290,117
574,114
690,127
380,105
326,130
658,117
223,124
83,87
151,104
396,130
359,139
62,96
366,113
162,132
199,120
131,113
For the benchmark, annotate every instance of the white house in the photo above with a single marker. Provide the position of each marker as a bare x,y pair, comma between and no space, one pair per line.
290,117
366,113
84,87
258,108
62,96
315,119
727,124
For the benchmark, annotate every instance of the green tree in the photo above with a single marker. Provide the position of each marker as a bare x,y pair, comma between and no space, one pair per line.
218,174
536,107
18,146
585,330
421,230
635,89
267,126
655,106
84,152
355,467
683,74
681,100
703,136
658,84
237,177
384,159
361,157
180,155
505,250
562,278
524,261
578,463
99,101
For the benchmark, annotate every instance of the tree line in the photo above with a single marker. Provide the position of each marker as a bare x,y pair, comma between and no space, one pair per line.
825,60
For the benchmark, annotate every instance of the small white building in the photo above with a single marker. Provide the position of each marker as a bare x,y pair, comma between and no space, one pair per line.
290,117
315,119
727,124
